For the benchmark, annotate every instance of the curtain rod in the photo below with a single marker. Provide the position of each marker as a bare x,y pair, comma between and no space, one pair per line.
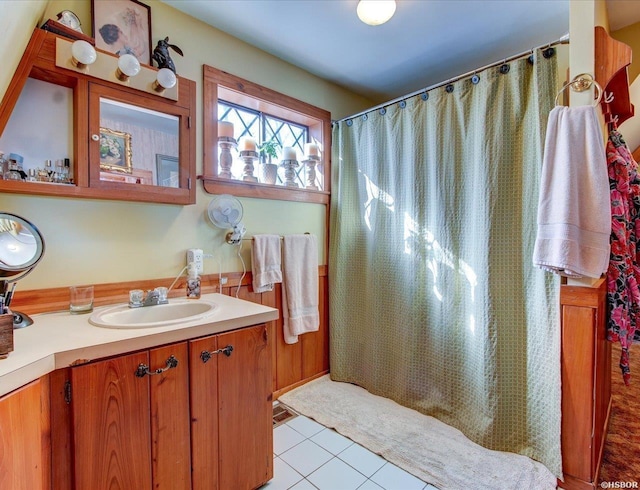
562,40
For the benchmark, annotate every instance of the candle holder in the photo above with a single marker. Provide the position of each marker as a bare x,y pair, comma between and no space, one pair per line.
226,160
310,163
289,167
247,172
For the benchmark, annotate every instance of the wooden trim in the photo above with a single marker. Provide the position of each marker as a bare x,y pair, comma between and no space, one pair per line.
215,185
277,394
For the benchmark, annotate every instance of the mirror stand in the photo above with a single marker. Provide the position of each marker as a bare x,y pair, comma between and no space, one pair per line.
20,319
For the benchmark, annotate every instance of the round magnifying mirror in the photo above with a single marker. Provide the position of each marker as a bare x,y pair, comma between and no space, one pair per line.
21,248
21,245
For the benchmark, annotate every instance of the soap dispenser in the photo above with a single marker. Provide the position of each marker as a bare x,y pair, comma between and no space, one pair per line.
193,281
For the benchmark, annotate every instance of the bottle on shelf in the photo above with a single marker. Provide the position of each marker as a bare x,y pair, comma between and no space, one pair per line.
66,172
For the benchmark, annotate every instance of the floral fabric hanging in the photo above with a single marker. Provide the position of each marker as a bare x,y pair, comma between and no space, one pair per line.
623,292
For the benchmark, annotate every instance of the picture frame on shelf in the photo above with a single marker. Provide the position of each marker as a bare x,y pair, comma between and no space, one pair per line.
167,172
122,26
115,150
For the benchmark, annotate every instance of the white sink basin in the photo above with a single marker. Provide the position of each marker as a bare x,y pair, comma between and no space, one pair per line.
176,311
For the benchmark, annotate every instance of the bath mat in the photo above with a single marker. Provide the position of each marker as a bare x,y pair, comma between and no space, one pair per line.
422,445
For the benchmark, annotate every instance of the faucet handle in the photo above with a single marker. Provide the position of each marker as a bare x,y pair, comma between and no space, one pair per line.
162,293
136,296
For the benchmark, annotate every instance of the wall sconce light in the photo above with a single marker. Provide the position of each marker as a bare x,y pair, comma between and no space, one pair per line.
375,12
164,79
128,66
82,54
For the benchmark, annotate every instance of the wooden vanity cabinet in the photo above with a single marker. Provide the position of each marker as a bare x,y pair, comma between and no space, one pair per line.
25,451
204,424
231,403
130,429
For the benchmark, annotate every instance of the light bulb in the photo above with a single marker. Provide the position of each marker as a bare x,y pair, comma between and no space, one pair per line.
375,12
128,66
164,79
82,54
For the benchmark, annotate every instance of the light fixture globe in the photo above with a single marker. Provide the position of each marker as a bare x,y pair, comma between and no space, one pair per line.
128,66
164,79
375,12
82,54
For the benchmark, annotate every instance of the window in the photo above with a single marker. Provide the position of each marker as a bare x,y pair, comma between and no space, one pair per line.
264,115
263,127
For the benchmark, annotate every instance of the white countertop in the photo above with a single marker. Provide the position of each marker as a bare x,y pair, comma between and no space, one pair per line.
59,339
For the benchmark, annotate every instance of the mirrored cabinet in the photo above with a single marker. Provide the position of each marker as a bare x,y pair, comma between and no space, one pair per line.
75,131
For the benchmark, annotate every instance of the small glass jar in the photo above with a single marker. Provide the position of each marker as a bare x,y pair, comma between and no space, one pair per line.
14,167
12,172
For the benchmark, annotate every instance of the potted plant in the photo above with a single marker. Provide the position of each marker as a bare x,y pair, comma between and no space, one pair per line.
269,171
269,150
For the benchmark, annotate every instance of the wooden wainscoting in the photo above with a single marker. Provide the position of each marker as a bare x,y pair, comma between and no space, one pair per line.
293,365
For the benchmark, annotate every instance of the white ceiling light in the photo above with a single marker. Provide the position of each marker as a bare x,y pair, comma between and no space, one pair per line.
375,12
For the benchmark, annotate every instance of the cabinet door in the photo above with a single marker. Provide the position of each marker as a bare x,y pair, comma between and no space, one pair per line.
203,385
111,424
245,409
170,451
24,464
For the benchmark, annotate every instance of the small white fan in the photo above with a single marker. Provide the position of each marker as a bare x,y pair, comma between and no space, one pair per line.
225,211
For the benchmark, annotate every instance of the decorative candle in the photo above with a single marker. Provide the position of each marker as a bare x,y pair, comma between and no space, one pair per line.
225,129
289,153
311,149
247,144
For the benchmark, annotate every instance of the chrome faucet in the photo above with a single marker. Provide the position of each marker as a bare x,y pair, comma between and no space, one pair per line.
154,297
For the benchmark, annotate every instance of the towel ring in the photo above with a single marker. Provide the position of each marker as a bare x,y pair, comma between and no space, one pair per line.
580,83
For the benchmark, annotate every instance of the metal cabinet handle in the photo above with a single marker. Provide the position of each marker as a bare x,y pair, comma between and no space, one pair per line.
143,369
205,355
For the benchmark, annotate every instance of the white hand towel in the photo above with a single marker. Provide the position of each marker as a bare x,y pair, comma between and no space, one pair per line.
574,208
300,313
265,262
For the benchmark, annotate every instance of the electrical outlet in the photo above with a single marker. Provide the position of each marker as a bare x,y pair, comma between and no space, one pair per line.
196,255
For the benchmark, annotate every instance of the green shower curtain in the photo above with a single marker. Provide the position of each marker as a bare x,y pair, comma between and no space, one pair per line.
434,300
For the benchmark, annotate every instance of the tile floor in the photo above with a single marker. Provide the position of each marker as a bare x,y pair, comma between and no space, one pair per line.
309,456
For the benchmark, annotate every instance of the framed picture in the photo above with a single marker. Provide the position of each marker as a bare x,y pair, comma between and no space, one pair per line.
115,150
167,174
123,26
